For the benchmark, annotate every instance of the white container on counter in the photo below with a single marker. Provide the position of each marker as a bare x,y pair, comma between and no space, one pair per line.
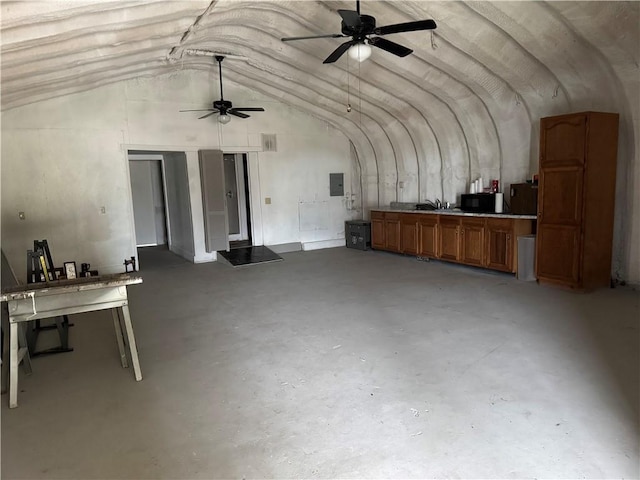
499,202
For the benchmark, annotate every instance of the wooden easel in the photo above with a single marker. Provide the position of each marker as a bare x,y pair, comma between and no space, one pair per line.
40,268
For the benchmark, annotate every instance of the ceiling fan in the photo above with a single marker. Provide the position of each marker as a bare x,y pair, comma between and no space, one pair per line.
359,28
225,107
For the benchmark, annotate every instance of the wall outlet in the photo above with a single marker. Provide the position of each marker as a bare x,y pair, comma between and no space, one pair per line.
267,201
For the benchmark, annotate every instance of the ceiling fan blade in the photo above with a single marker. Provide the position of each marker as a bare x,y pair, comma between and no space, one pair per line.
338,52
201,110
237,114
248,109
389,46
405,27
350,18
328,35
207,115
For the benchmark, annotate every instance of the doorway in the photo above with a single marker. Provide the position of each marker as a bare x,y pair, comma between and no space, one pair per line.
161,207
237,204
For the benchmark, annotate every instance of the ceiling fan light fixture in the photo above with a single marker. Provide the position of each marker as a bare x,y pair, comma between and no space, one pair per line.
359,52
224,118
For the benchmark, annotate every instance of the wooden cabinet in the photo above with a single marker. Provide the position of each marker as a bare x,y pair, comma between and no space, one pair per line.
385,231
449,238
428,235
499,244
392,232
472,241
377,230
488,242
576,196
409,233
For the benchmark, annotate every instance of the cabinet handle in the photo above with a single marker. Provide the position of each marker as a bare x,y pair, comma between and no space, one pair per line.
508,237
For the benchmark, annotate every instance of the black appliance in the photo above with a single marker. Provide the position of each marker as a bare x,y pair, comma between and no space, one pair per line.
478,202
524,198
358,234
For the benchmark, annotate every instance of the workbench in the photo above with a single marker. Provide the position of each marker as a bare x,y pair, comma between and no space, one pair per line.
65,297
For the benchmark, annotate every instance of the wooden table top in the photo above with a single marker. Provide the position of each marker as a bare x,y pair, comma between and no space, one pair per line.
64,286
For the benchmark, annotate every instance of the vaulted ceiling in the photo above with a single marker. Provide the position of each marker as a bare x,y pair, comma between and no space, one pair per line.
469,96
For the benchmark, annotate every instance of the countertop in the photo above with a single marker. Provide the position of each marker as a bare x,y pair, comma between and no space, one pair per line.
456,212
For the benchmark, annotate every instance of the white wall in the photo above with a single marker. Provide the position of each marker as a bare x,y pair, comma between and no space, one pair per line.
65,158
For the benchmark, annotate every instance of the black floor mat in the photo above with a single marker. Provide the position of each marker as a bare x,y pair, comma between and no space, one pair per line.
239,257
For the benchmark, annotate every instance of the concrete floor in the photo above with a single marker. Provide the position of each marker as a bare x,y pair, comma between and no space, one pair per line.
339,364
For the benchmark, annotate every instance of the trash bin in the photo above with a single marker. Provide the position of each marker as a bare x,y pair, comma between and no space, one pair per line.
358,234
526,254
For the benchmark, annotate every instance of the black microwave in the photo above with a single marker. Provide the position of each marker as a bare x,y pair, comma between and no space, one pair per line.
478,202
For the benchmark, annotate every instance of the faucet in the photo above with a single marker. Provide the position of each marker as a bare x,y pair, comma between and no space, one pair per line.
438,204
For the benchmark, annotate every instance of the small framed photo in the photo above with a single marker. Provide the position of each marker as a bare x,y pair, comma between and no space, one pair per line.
70,270
59,273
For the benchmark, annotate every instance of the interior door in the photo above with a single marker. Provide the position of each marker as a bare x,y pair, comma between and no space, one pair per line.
148,202
214,200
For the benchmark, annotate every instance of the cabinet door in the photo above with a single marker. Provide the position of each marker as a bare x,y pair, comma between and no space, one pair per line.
392,232
428,235
558,253
448,238
472,241
560,195
563,140
409,233
377,233
499,244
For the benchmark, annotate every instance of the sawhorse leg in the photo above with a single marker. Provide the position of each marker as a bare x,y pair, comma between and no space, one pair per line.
18,352
13,365
131,339
119,338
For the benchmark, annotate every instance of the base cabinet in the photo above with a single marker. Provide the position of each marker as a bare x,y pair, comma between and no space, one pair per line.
428,236
409,233
377,232
472,241
499,244
449,238
385,231
488,242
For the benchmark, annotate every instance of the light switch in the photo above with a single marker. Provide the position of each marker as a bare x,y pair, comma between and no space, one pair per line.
267,201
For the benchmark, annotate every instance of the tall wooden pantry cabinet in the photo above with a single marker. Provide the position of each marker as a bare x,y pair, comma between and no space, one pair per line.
576,198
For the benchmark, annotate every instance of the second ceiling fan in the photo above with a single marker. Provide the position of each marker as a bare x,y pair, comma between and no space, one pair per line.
225,107
360,28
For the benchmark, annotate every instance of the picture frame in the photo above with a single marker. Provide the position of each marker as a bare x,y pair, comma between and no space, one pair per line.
70,270
59,273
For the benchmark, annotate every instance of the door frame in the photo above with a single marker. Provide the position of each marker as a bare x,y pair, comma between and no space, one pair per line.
150,157
195,192
255,194
241,187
